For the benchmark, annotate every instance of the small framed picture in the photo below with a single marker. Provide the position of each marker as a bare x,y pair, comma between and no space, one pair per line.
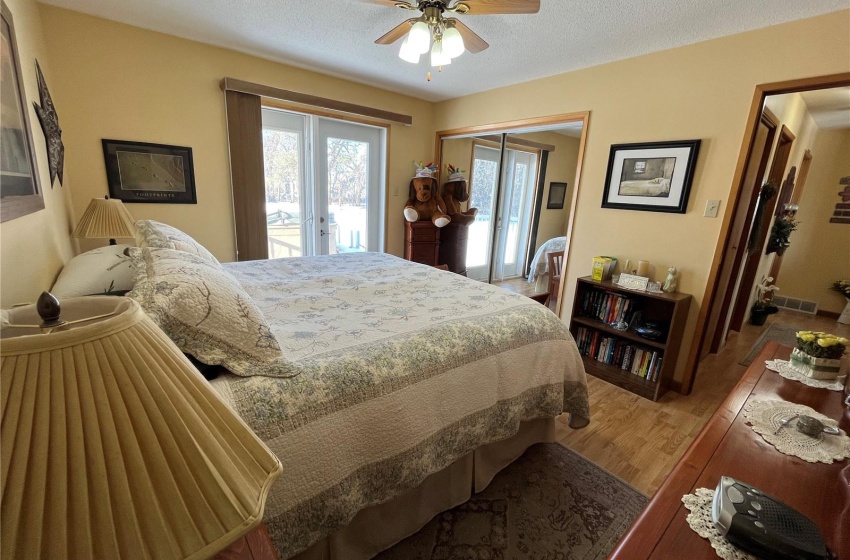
652,176
557,194
142,172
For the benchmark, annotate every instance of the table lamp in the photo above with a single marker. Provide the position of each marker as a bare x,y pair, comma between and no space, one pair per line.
105,218
113,445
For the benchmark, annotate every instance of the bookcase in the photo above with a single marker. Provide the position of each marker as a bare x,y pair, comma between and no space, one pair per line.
623,357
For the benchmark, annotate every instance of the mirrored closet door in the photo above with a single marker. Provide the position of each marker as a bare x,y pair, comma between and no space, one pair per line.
521,217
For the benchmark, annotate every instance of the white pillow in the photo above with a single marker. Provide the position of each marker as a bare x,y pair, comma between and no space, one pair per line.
105,270
205,311
153,234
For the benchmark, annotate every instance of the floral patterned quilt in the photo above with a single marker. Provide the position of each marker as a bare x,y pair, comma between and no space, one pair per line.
402,369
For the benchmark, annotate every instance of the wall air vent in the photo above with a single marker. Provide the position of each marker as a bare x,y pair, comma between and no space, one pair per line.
794,304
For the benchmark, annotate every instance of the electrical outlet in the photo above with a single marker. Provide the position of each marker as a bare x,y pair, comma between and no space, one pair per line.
711,208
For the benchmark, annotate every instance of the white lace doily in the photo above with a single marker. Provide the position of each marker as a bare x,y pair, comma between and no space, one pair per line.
699,519
783,368
766,416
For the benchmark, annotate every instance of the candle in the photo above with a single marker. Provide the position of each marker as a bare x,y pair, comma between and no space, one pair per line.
643,268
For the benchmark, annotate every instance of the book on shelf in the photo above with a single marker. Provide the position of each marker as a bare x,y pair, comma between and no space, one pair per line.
607,307
623,354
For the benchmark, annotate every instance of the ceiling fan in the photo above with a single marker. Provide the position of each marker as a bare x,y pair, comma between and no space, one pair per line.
445,37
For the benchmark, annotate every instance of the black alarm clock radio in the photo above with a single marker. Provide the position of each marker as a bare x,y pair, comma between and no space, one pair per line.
764,526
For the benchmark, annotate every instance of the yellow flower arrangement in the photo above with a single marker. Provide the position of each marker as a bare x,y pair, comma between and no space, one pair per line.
821,345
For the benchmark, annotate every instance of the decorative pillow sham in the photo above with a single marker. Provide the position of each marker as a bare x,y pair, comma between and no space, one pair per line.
150,233
205,312
102,271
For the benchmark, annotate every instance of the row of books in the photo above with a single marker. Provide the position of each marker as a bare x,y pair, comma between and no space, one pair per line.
619,353
607,307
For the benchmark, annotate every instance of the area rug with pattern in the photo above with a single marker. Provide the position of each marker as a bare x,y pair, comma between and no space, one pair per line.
550,504
781,332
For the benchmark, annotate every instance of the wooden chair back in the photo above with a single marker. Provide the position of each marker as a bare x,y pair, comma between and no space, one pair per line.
556,263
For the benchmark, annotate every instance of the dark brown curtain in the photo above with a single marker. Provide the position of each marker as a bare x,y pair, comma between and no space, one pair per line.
245,135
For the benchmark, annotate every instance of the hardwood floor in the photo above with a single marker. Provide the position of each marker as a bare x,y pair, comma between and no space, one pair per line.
639,440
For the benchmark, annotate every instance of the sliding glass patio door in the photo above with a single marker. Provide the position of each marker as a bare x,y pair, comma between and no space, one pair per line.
500,234
324,184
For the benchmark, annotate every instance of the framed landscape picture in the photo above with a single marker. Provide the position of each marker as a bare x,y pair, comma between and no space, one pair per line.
651,176
142,172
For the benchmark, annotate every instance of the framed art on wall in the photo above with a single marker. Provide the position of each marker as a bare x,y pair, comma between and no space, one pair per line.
557,194
143,172
650,176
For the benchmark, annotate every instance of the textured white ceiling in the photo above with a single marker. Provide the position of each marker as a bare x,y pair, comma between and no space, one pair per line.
336,36
830,108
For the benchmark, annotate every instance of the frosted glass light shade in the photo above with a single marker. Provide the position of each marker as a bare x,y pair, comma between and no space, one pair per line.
420,37
114,446
105,218
407,52
453,42
438,55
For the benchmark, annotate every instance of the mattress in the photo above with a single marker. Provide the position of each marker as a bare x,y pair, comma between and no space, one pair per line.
402,370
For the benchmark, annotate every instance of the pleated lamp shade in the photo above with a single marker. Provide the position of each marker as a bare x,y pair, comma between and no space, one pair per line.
105,218
114,446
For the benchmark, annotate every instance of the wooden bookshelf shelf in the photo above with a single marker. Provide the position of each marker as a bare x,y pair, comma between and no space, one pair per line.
668,309
628,335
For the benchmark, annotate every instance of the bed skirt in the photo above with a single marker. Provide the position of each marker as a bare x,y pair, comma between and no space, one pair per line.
379,527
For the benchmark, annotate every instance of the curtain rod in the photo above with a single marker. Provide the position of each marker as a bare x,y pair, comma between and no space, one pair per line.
232,84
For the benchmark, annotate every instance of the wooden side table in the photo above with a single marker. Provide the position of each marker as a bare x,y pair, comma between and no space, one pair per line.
422,242
256,545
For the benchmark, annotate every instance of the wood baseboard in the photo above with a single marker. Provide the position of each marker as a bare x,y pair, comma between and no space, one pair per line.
829,314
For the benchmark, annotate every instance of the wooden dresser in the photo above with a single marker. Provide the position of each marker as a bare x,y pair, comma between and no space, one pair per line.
727,446
422,242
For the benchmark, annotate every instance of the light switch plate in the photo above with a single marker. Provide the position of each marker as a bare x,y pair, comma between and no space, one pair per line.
711,208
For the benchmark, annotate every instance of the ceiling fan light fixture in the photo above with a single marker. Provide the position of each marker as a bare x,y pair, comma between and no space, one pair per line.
453,42
407,52
420,37
439,57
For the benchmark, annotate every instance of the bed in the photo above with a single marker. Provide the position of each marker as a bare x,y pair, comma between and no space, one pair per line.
659,186
540,264
405,388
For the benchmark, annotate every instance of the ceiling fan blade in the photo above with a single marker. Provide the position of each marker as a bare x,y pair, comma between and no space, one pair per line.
396,32
489,7
391,3
471,40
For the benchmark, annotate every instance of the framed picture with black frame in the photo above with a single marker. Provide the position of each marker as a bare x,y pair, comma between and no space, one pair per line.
651,176
557,194
143,172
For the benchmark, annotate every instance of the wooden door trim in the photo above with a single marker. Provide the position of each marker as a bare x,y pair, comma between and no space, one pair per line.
769,121
708,300
803,174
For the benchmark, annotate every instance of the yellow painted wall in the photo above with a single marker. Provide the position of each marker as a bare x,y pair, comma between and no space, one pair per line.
819,253
560,167
122,82
697,91
34,247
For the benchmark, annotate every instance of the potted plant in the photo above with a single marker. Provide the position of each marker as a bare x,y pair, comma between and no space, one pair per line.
780,235
843,288
818,354
763,307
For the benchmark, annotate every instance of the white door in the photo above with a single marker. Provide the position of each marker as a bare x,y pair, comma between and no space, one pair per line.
484,179
324,184
350,187
514,217
285,149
